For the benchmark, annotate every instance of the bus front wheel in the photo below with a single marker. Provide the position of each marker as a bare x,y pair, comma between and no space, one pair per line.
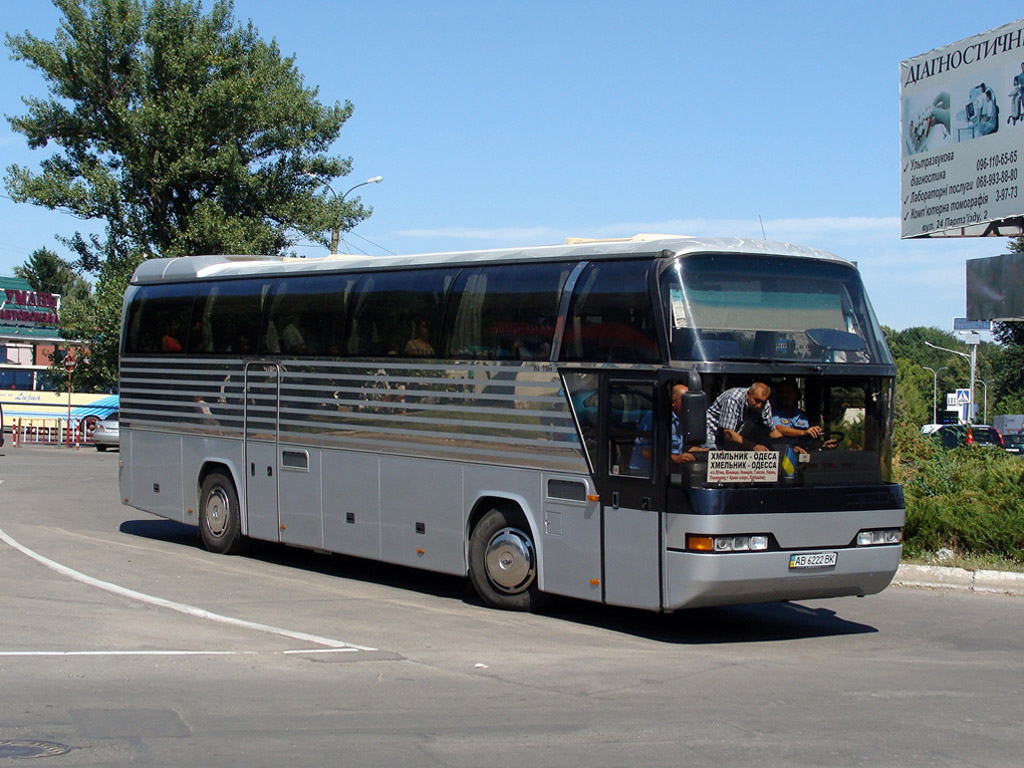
503,561
220,524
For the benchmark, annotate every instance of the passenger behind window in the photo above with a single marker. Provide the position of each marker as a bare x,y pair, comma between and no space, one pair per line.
291,337
643,451
171,340
419,345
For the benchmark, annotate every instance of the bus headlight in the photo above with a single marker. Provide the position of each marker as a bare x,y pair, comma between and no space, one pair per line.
879,537
757,542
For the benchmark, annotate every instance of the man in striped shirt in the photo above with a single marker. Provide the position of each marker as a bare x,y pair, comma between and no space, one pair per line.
742,418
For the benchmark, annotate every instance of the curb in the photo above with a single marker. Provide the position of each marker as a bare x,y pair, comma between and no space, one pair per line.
959,579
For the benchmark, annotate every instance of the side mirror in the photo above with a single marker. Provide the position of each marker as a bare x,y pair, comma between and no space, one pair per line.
693,417
693,421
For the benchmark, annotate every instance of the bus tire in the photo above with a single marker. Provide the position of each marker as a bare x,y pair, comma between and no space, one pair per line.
220,523
503,561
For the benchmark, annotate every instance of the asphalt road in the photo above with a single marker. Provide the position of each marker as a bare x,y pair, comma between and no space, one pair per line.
123,642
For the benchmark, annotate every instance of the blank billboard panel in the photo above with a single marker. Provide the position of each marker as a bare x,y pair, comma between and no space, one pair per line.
995,288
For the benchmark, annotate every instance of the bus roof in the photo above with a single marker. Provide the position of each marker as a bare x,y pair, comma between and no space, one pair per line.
204,267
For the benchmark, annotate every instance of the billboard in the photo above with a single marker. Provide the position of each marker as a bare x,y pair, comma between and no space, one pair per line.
25,312
962,137
995,287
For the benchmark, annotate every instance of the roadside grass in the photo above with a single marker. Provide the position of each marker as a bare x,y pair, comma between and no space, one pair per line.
965,507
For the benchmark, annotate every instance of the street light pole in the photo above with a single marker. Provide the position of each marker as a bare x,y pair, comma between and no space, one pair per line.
972,359
935,391
985,385
336,229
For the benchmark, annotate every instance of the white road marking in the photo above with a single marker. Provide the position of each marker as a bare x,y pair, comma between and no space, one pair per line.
189,610
128,653
293,652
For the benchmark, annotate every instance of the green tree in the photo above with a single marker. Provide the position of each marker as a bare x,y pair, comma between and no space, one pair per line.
98,321
183,132
47,272
914,383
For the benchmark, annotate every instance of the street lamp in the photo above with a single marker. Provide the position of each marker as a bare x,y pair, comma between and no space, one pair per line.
985,385
935,391
972,359
336,229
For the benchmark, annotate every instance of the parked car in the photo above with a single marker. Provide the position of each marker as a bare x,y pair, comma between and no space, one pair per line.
1014,443
955,435
107,433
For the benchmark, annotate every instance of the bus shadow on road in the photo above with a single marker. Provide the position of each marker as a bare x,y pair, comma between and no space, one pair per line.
768,622
314,561
159,529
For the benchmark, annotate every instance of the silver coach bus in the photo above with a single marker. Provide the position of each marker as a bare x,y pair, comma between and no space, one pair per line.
484,413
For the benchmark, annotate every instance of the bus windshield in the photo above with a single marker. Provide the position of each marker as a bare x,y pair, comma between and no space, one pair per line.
767,308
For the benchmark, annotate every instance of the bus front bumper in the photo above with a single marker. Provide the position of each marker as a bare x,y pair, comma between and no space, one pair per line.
704,579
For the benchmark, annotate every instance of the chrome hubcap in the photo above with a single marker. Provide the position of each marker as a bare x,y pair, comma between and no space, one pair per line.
217,510
510,561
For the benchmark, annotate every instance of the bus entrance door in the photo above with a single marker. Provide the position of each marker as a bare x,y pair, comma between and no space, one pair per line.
630,499
262,397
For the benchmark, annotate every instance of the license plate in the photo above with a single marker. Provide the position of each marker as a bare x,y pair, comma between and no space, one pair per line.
813,560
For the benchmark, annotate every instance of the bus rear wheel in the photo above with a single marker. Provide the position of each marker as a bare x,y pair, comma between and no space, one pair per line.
220,524
503,561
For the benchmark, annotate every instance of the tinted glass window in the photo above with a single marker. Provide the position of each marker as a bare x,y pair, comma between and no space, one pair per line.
611,318
504,312
227,317
158,319
630,428
307,315
750,307
397,313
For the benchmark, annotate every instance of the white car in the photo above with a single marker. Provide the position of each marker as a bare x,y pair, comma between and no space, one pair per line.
107,433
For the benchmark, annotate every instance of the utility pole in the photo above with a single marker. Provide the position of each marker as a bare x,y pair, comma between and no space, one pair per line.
935,391
336,227
972,342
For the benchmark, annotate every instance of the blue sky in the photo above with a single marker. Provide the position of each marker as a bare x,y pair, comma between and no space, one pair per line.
498,124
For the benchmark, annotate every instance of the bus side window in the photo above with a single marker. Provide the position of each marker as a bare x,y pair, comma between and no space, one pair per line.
396,313
610,318
159,319
504,312
630,420
227,317
584,392
307,315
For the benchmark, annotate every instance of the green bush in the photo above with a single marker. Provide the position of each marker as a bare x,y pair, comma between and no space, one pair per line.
969,500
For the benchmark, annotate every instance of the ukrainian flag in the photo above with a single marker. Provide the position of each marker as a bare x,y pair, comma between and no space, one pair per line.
789,462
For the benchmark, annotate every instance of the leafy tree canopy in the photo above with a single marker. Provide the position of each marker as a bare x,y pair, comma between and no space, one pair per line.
185,133
47,272
918,389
